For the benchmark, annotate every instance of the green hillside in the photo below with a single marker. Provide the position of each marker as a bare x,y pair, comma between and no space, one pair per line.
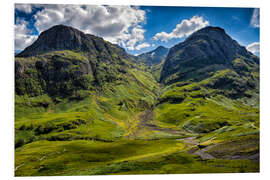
92,109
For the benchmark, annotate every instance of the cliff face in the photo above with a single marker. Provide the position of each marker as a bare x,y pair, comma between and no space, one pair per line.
207,47
64,60
61,37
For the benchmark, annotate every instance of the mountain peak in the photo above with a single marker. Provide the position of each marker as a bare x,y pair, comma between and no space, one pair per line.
211,28
206,47
210,32
210,43
160,47
155,56
62,31
60,27
59,37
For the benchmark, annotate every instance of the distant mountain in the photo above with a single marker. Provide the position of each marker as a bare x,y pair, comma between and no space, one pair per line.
206,50
155,56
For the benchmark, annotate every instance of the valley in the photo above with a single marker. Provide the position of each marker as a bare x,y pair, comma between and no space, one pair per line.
83,106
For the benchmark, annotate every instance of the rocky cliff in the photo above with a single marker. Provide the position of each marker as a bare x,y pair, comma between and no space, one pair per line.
209,48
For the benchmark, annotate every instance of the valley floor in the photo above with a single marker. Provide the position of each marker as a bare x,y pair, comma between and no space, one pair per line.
81,157
146,148
116,131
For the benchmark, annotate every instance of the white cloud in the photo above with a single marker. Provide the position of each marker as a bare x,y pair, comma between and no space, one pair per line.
117,24
185,28
254,47
26,8
255,19
23,38
143,45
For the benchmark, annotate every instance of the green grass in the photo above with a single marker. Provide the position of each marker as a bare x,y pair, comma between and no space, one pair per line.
243,145
51,158
99,130
72,55
156,70
68,54
187,107
104,114
93,158
67,120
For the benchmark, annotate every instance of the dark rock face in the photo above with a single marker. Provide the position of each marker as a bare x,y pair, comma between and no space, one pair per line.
61,37
206,47
155,56
64,60
54,76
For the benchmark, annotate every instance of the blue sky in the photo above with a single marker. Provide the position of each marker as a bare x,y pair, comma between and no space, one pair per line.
138,29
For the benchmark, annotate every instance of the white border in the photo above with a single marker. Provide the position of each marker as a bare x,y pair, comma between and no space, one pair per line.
208,3
7,85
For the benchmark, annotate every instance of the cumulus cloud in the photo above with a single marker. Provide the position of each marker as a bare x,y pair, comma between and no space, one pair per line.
117,24
255,19
26,8
143,45
254,47
185,28
23,37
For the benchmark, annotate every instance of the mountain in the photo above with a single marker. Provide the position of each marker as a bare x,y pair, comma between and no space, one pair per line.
154,57
208,78
63,60
61,37
82,80
206,50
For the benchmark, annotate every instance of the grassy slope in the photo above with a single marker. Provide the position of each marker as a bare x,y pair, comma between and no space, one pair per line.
103,132
91,158
229,126
102,115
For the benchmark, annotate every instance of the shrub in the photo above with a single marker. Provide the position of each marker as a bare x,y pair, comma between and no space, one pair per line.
20,142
